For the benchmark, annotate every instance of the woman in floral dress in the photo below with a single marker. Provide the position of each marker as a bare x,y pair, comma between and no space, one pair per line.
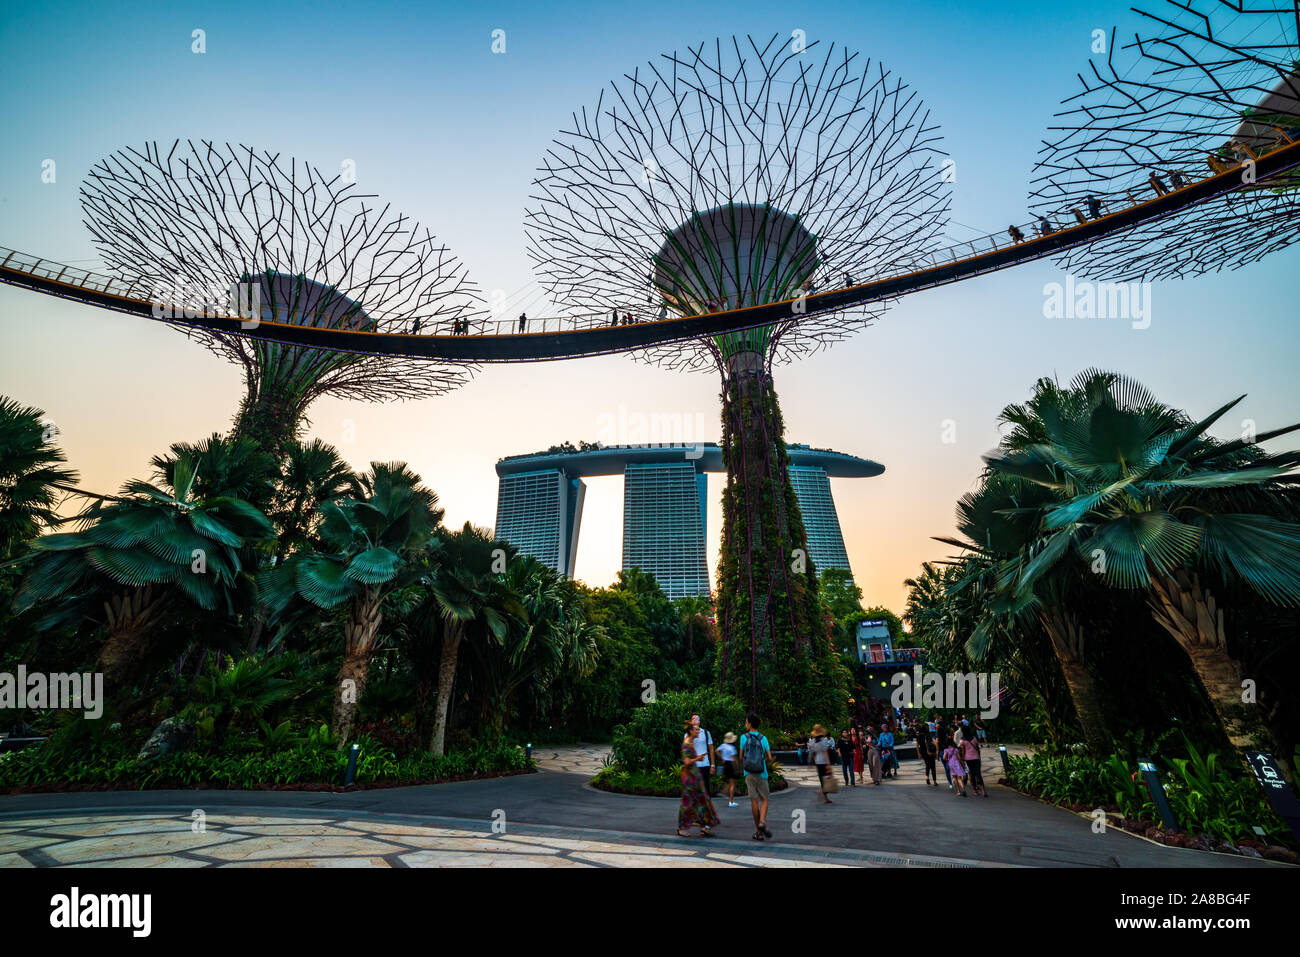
697,808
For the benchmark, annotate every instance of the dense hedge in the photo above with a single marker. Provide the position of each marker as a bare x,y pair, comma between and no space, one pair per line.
39,769
652,737
667,782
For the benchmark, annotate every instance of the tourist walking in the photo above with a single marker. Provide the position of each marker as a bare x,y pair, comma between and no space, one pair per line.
887,762
952,760
873,754
859,761
696,809
943,741
846,759
729,762
821,747
755,755
970,755
925,750
704,753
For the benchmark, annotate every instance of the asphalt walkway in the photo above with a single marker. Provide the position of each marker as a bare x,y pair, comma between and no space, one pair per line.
555,818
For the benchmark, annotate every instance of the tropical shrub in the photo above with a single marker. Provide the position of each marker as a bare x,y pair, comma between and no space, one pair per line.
1206,795
667,782
651,739
308,765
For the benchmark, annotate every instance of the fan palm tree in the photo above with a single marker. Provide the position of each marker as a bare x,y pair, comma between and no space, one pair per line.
135,556
312,473
31,477
235,467
551,641
473,601
372,542
943,616
1150,501
998,521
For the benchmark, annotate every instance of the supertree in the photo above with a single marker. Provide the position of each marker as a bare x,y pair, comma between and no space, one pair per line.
188,220
1213,86
735,174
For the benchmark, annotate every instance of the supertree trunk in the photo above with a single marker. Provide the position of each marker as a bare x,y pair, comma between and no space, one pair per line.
775,655
271,419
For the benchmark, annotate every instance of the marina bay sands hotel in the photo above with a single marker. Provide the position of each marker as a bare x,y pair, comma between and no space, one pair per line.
539,505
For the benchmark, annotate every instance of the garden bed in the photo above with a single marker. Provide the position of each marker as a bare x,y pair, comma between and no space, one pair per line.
62,787
1219,806
301,769
666,783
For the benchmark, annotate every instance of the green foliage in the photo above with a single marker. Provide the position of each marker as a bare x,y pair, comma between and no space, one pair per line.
152,536
652,737
247,687
840,596
776,652
1205,796
308,764
30,473
667,782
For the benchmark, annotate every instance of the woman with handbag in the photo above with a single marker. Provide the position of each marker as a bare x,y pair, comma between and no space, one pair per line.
820,748
696,808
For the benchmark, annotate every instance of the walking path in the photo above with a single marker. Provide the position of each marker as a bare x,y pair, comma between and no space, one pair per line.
556,819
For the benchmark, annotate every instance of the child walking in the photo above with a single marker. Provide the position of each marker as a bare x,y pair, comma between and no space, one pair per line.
952,760
728,755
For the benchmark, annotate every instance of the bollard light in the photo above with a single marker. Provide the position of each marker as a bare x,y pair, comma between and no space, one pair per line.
1157,792
1006,763
528,754
352,765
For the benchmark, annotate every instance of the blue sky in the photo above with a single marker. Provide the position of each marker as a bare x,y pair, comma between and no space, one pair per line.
451,133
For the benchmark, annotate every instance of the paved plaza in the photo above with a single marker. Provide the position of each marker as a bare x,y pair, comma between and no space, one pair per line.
556,819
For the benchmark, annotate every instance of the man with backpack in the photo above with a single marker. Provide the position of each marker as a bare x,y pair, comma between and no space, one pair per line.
755,753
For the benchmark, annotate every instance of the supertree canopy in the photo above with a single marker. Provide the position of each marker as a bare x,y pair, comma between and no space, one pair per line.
192,219
738,174
1211,87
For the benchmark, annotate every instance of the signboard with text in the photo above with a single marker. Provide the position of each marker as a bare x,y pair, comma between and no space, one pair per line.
1279,793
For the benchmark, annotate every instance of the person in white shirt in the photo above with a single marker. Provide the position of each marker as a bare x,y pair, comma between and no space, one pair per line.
704,753
727,762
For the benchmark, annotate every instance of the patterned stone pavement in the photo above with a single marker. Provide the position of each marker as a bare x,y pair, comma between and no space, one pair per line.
556,819
247,840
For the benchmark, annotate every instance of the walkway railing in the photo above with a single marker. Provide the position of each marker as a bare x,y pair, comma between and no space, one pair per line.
568,336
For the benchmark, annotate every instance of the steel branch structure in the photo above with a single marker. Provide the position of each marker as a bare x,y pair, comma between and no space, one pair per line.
746,176
184,222
1211,89
736,174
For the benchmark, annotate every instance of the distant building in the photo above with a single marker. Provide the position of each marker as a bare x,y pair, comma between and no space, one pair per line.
540,512
812,486
663,525
665,493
